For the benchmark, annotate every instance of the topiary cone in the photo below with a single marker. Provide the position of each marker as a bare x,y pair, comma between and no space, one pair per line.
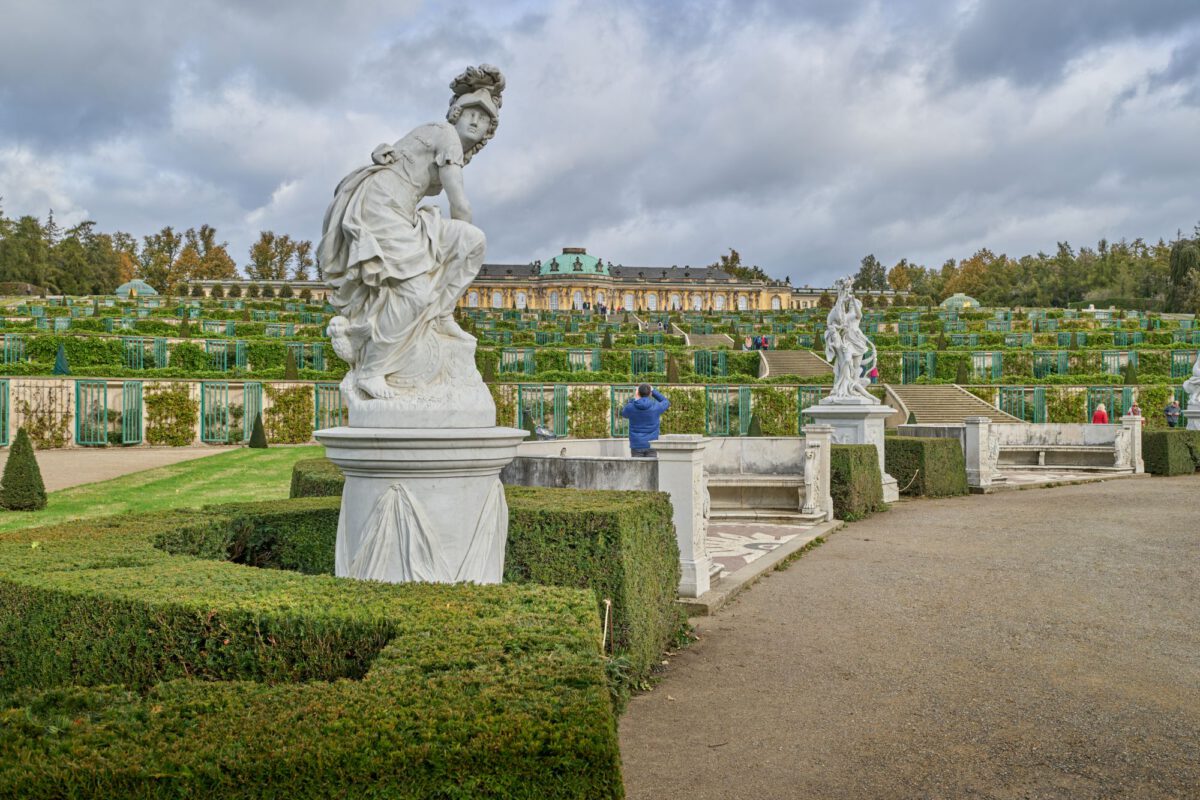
290,372
21,488
258,437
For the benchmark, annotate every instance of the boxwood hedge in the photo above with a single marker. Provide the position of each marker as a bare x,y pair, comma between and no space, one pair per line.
925,466
1171,452
855,482
129,671
621,545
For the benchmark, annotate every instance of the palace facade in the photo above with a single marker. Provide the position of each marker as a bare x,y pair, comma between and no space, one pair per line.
575,279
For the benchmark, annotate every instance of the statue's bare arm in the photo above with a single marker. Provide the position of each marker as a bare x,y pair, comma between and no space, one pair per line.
452,182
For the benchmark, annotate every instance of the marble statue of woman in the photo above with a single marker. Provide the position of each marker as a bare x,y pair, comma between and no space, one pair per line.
1191,387
846,347
397,269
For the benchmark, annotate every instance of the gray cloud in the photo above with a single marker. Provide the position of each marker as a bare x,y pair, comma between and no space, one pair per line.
651,133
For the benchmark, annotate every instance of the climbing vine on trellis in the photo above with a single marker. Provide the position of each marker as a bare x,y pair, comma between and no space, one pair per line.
587,412
289,419
47,420
171,414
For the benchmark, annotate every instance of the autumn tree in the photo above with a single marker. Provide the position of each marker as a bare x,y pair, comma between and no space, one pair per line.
731,262
270,257
303,260
871,274
156,261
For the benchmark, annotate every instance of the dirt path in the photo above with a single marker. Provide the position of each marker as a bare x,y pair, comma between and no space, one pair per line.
1033,644
62,469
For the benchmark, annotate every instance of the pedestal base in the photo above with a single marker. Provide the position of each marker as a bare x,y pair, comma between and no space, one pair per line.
1192,415
858,423
422,504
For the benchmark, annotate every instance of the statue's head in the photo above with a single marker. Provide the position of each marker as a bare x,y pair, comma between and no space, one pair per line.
475,107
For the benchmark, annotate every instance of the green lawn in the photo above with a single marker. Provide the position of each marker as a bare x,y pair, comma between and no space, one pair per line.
235,476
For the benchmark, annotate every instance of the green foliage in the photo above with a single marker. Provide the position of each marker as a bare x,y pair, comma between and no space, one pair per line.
912,419
505,397
961,374
258,437
316,477
672,370
47,419
21,488
755,426
1065,404
129,671
926,467
588,413
171,414
855,482
289,418
686,414
607,341
1171,452
775,411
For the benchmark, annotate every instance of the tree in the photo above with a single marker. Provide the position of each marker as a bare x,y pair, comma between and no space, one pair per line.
871,274
25,253
1183,261
732,263
258,436
1131,373
290,373
825,300
156,261
214,262
270,257
900,276
21,488
961,375
60,361
303,260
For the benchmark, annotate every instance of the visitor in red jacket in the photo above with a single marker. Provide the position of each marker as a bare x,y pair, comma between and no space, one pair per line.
1100,417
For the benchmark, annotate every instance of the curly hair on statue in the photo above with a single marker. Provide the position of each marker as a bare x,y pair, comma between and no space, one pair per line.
469,82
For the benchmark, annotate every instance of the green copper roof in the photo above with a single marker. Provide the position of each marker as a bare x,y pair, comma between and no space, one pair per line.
565,264
139,287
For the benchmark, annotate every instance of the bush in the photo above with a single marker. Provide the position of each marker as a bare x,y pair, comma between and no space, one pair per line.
619,544
855,482
1171,452
258,437
925,466
130,671
21,488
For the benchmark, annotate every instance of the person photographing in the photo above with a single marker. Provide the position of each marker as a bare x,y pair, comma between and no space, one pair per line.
644,413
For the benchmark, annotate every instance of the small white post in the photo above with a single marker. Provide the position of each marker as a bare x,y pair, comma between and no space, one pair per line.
975,450
820,439
681,475
1134,426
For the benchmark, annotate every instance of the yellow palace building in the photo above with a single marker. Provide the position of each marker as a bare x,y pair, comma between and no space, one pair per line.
574,279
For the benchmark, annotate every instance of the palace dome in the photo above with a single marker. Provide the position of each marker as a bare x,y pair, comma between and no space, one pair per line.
573,261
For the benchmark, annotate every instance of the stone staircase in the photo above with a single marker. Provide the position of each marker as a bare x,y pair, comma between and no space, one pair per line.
703,341
802,363
945,403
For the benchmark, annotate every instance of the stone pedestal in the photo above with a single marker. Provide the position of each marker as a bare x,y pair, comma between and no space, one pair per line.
980,461
422,504
681,475
858,423
1133,438
1192,415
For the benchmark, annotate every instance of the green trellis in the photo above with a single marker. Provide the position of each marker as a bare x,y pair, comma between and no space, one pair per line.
91,413
329,411
214,412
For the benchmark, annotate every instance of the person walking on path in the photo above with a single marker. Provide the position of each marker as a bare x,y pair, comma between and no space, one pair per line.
644,413
1172,413
1100,416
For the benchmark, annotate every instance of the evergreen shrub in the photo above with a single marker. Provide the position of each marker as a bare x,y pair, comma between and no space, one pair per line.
1175,451
926,466
130,671
21,488
855,482
619,544
258,437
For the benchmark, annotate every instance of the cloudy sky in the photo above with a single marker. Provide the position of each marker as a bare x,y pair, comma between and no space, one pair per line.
804,133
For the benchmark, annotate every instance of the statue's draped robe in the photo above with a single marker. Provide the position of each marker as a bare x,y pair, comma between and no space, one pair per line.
394,267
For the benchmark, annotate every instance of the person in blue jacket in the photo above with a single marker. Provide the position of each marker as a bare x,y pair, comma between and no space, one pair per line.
643,413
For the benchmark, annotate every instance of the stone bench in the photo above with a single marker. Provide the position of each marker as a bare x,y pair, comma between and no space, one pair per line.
1074,456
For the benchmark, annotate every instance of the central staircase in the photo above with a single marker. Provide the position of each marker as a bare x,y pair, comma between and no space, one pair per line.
944,403
802,363
704,341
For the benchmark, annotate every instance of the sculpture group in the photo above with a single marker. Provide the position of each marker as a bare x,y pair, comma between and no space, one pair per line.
848,348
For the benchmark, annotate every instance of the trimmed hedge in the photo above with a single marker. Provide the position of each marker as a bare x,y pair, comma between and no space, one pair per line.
621,545
925,466
128,671
1171,452
855,482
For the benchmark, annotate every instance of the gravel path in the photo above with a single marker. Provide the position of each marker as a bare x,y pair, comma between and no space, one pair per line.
62,469
1030,644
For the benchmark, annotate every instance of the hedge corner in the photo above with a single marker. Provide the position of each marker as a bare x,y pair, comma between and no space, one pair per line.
926,466
855,481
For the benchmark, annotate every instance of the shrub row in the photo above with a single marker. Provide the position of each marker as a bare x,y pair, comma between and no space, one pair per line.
128,671
620,545
925,466
1171,452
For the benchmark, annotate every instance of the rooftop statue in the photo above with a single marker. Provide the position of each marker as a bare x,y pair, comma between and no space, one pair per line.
847,348
397,270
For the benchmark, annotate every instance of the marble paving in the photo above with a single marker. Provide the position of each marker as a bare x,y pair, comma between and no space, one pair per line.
1015,476
734,545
